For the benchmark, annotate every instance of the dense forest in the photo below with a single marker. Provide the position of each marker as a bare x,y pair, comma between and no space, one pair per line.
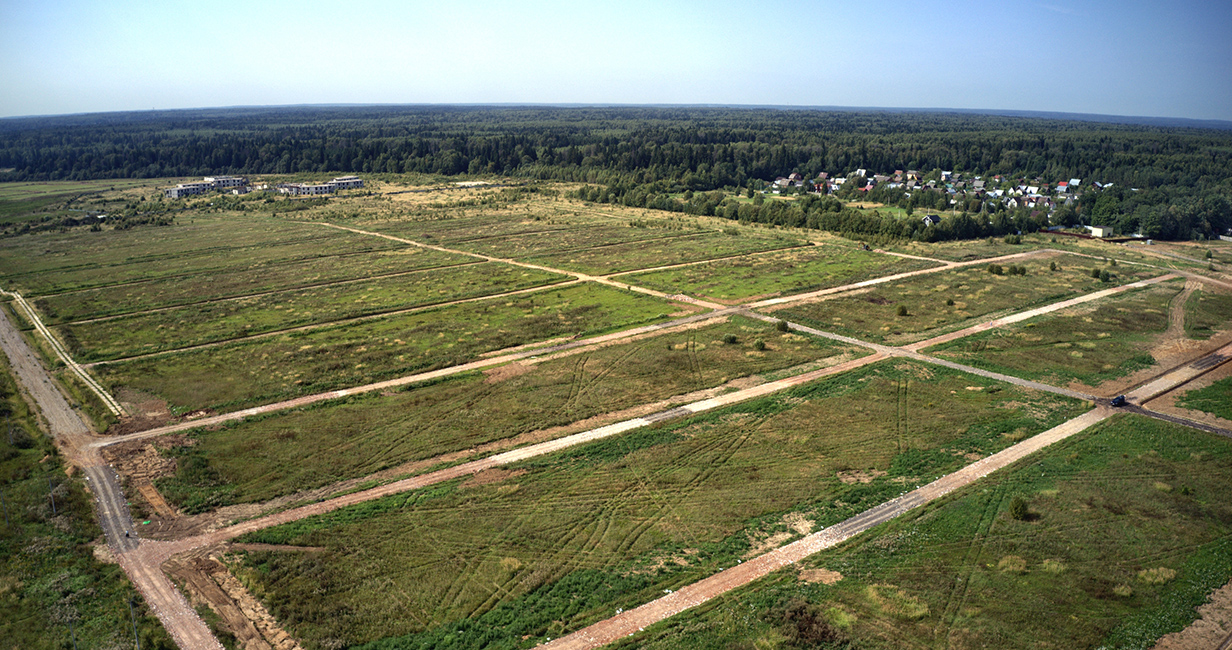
1175,182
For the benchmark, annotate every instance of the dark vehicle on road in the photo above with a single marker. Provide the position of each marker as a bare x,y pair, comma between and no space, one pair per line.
1119,400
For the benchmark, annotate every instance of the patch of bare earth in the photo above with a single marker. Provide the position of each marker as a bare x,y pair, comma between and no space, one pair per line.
1213,630
507,371
490,476
851,477
823,576
208,581
797,524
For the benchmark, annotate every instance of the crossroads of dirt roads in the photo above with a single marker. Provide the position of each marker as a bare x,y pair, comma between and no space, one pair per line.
142,559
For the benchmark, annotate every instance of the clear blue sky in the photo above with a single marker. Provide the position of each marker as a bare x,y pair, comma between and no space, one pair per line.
1165,59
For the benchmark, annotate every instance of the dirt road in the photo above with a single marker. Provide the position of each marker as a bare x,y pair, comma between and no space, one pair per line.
73,436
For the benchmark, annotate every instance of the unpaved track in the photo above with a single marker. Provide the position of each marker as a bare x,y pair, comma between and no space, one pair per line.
72,436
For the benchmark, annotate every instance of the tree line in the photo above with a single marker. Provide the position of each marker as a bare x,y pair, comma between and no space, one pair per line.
1185,173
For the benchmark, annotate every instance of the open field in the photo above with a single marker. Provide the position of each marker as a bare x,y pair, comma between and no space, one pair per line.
1090,344
1207,312
1126,532
794,271
278,455
659,252
242,281
221,321
258,371
976,294
1215,399
33,200
554,543
55,262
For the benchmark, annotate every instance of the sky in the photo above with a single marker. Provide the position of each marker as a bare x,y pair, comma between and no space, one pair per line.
1129,57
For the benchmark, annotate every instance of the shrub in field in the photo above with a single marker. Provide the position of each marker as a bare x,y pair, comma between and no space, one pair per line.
1052,266
995,269
759,345
1095,273
949,302
902,310
782,326
1018,508
729,339
1105,276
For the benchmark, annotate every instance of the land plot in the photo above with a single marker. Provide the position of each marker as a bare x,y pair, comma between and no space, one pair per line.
549,545
220,321
260,371
278,455
966,250
975,294
1207,312
55,262
741,279
1125,533
1215,399
579,238
23,201
1091,344
664,251
473,225
274,276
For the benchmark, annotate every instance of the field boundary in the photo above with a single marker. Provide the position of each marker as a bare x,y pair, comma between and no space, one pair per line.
108,401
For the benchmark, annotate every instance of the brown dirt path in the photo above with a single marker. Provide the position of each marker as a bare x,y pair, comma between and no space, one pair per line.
1212,631
73,436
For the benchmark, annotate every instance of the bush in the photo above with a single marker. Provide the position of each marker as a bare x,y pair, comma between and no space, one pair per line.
759,345
902,310
1095,273
995,269
782,326
1013,239
1052,266
1105,276
1018,508
949,302
729,339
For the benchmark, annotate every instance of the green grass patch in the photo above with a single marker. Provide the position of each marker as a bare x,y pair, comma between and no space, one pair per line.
46,263
1099,546
792,271
614,523
1215,399
1107,339
663,251
945,301
240,374
220,321
1207,313
213,285
283,453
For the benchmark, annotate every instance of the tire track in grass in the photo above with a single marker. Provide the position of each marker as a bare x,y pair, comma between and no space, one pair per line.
962,582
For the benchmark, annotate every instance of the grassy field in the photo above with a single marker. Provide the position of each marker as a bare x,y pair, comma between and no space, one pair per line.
792,271
1207,313
1215,399
1122,541
221,321
246,280
663,251
55,262
49,576
259,371
975,295
561,541
258,460
33,200
1105,340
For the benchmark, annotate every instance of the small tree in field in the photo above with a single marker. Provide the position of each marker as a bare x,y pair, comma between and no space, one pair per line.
902,310
1018,508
